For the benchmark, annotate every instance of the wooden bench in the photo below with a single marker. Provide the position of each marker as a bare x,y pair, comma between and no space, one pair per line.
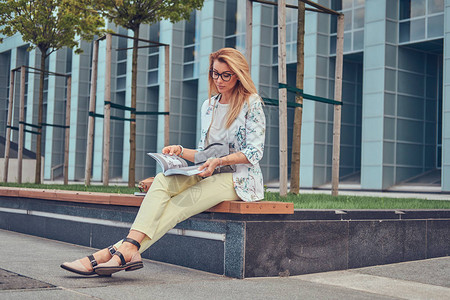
236,207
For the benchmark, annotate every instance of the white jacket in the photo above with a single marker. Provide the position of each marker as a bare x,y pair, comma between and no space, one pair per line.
246,135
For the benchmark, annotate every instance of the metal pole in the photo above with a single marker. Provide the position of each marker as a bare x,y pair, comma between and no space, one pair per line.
282,94
107,111
166,94
67,131
91,119
248,32
8,128
337,108
21,125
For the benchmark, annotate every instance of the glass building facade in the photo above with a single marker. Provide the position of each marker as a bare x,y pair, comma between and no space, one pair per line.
396,90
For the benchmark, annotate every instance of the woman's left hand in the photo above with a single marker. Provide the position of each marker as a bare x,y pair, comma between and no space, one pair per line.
209,166
172,150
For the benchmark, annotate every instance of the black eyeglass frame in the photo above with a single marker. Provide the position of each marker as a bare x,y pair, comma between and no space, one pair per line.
212,73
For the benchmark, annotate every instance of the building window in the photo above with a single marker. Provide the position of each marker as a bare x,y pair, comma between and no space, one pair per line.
153,56
291,34
231,24
121,72
235,25
190,48
353,11
420,20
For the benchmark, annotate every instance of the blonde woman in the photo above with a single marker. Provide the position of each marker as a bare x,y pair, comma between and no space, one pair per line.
232,115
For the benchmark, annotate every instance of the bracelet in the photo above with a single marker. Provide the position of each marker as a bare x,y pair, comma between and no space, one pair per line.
182,151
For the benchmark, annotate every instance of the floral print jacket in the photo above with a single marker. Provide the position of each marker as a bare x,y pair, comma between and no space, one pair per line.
247,135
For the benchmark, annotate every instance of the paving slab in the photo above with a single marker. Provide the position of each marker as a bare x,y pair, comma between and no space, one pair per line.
434,271
38,260
386,286
11,281
48,294
264,288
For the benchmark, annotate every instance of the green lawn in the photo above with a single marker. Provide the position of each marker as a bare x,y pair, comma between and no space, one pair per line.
303,201
326,201
116,189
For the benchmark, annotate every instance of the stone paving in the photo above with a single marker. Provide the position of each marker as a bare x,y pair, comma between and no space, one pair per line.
30,270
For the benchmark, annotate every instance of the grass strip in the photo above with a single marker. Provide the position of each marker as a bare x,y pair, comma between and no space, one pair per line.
114,189
301,201
326,201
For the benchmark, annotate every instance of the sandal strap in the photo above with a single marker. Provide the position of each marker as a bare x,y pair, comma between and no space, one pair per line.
111,250
92,261
132,241
122,259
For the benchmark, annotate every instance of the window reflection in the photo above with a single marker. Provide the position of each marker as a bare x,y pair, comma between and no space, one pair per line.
336,5
230,28
347,41
347,4
333,24
417,8
152,77
411,8
435,28
153,62
348,20
435,6
333,44
415,14
189,49
354,18
153,56
404,32
358,40
189,54
358,21
417,29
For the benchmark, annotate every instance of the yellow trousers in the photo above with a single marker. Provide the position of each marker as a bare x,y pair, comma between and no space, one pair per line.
173,199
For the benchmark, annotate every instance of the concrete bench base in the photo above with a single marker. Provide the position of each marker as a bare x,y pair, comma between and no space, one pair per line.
247,245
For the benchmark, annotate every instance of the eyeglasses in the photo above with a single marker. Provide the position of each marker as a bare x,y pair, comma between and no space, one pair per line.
226,76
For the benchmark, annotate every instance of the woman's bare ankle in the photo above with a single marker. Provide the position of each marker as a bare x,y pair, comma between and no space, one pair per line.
127,250
100,256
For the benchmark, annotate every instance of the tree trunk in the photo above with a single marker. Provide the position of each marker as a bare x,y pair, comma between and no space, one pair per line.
132,164
282,97
296,138
37,178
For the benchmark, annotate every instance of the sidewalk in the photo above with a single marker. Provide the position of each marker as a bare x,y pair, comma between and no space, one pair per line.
29,269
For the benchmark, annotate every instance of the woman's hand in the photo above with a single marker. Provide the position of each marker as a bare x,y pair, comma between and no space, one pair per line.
209,166
172,150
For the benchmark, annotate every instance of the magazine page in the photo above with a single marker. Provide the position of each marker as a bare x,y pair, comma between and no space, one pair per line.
188,171
168,161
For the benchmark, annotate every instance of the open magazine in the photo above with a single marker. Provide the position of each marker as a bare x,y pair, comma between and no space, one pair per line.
174,165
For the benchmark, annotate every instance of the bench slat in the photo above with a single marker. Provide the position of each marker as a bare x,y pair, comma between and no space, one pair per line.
234,207
259,207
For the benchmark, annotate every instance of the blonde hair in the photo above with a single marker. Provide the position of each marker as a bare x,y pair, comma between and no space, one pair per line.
244,86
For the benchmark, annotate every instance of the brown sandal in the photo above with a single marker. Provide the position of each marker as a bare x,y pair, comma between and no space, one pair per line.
77,267
112,266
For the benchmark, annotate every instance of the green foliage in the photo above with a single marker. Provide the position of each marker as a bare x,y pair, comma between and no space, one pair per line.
49,24
131,14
